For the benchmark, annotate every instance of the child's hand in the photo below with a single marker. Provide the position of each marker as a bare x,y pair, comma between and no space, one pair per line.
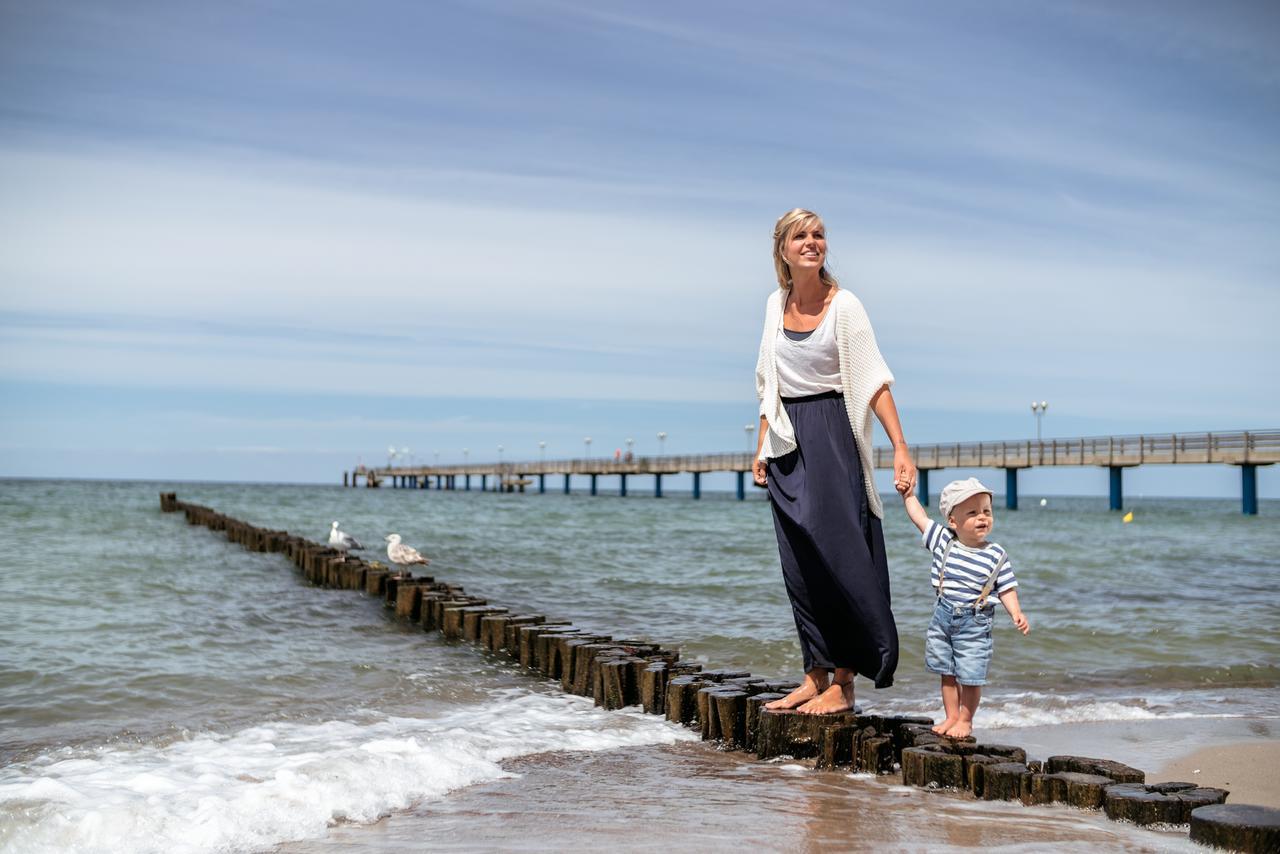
1020,622
905,489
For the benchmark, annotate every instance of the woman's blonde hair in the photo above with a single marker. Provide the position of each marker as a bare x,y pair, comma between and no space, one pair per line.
788,224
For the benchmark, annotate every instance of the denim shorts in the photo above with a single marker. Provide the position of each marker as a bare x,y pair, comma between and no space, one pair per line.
959,642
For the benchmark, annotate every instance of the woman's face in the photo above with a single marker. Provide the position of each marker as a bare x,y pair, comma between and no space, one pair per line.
806,247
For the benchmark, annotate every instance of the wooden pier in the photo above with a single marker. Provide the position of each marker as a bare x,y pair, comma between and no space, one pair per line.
1247,449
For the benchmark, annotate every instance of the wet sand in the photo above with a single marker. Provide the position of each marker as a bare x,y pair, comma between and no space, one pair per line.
693,796
1249,770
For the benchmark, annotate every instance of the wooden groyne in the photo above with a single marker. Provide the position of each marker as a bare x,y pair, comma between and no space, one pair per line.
727,706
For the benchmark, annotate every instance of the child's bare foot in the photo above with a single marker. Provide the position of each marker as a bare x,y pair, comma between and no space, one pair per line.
959,729
808,690
837,698
941,729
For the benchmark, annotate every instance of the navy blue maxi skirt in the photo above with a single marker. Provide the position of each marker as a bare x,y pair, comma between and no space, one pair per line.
831,545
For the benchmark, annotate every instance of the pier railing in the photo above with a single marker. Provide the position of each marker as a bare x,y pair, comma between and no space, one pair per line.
1247,449
1257,447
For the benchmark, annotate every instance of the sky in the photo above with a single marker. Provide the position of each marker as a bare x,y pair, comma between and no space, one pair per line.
269,240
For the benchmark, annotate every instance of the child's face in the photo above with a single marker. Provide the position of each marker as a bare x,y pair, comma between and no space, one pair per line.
972,518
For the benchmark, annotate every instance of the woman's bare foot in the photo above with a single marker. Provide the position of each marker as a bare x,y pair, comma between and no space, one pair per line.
941,729
810,687
837,698
959,729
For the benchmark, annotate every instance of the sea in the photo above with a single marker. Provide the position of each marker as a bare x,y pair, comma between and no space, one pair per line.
162,690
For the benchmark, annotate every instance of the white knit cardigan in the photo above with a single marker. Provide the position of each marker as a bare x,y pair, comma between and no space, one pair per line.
863,373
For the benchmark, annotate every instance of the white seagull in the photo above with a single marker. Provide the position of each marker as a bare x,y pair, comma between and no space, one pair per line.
339,540
401,555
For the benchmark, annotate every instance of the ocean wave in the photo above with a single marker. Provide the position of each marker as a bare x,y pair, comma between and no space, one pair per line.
267,784
1035,708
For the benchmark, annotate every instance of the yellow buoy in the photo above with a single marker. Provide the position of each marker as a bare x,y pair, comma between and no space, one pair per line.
1128,517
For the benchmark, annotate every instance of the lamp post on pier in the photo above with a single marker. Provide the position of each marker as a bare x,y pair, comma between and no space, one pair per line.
662,443
751,429
586,441
542,452
630,442
1037,409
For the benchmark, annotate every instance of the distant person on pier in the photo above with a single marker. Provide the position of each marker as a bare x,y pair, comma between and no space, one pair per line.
820,377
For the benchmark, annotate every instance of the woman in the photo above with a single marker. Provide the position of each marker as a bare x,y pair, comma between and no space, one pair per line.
819,377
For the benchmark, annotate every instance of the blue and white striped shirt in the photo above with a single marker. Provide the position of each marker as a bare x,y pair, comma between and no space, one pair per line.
967,569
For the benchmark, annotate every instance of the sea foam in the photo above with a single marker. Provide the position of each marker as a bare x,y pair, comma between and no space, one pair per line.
263,785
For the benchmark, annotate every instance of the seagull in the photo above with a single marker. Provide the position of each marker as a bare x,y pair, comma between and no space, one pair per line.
401,555
339,540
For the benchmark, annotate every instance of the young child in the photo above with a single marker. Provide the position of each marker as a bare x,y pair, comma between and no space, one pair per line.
967,569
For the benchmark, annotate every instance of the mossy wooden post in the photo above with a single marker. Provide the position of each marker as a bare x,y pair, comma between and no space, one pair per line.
453,626
1117,771
653,688
875,754
786,732
511,633
375,581
472,616
703,711
583,676
528,637
1005,781
573,648
392,585
561,648
731,717
751,717
902,728
545,658
932,767
493,628
1237,827
426,606
409,601
974,764
682,697
441,608
596,674
616,678
837,745
1158,803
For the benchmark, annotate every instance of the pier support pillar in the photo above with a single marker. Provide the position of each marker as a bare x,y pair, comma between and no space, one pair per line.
742,485
484,482
1117,487
566,483
657,486
1011,489
622,484
439,482
1249,489
466,482
344,478
922,488
542,484
593,484
697,484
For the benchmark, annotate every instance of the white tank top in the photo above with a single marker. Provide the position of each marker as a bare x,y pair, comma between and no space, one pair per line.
811,366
